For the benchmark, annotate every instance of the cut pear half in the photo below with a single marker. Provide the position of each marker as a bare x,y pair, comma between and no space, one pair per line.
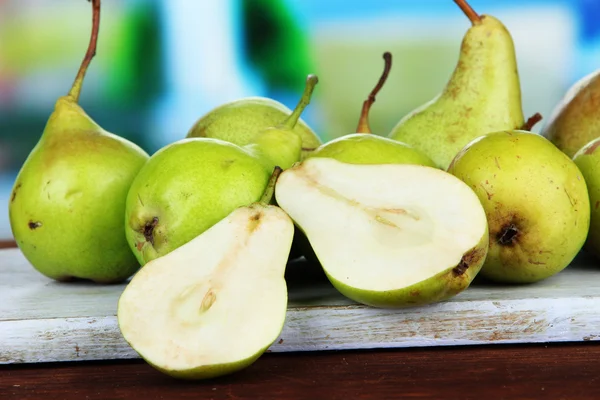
387,235
214,305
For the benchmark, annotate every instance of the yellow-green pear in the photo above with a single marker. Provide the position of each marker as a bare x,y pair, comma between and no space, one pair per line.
214,305
190,185
483,94
68,201
535,199
387,235
575,121
364,147
588,161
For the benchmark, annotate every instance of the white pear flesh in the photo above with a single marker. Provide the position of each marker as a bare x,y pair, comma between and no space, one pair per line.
214,305
387,235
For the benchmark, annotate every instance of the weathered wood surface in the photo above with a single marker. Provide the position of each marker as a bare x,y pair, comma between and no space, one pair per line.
43,321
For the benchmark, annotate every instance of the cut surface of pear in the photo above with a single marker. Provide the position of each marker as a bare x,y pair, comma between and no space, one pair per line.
387,235
214,305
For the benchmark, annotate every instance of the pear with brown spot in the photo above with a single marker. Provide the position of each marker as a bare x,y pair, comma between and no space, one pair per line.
483,94
575,121
67,205
214,305
536,202
387,235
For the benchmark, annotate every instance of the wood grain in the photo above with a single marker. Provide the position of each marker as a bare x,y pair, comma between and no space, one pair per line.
564,371
44,321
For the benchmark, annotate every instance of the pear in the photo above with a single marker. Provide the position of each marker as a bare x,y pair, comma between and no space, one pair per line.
241,120
536,202
363,147
575,121
587,160
68,201
190,185
387,235
483,95
215,304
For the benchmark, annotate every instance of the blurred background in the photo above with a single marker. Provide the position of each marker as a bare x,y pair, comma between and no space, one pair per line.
161,64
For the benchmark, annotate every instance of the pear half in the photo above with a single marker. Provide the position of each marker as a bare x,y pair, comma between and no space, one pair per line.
389,235
214,305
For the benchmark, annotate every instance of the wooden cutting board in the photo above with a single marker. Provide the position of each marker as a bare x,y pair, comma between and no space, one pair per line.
45,321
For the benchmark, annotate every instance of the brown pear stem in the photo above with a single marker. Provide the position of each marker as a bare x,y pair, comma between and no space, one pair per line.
91,51
363,122
530,123
270,189
469,12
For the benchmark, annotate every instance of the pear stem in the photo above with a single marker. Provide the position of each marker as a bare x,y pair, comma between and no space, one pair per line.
290,122
363,122
469,12
91,51
270,189
530,123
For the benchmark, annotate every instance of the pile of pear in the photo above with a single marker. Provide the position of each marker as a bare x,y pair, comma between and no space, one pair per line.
201,232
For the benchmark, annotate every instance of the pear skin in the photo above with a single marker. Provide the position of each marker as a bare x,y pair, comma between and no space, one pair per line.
67,205
588,162
483,95
575,121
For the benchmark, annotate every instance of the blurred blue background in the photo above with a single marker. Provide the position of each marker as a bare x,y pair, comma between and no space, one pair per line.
161,64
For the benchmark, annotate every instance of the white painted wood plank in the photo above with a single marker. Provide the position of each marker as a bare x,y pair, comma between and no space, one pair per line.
44,321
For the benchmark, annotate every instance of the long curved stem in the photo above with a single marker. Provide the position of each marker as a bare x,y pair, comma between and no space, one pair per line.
469,12
363,122
91,51
311,82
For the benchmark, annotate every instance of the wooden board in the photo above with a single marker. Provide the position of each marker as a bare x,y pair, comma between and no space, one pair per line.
44,321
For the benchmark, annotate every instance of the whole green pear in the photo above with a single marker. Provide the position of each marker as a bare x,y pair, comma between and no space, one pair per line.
241,120
483,94
588,161
575,121
536,203
190,185
68,201
363,147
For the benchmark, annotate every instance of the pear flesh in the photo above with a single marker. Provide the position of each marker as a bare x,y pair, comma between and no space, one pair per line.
575,121
387,235
536,203
214,305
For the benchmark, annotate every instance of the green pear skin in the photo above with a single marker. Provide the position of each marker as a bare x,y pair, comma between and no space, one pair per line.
184,189
241,120
575,121
536,202
368,148
67,205
482,96
588,161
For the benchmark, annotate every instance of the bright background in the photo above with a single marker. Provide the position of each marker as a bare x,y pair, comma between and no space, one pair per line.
161,64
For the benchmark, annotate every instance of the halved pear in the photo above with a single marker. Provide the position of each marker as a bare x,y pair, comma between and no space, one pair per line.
215,304
387,235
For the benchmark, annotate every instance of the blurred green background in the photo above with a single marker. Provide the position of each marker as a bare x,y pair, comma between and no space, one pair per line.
162,64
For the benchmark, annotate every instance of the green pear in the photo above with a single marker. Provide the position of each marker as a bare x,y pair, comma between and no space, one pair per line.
575,121
68,201
588,161
190,185
363,147
387,235
240,121
536,202
214,305
483,95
